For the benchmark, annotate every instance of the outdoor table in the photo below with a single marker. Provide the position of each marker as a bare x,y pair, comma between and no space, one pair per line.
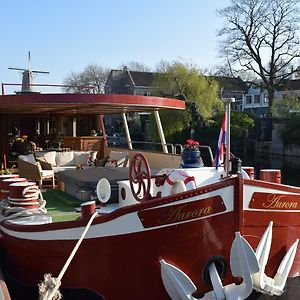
82,183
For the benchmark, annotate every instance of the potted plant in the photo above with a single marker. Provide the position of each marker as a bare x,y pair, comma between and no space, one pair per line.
55,139
93,132
190,154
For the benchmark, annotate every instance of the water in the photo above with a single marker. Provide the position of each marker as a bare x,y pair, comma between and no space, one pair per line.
289,165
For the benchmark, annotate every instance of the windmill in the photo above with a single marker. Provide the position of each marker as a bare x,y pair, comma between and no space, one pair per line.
27,77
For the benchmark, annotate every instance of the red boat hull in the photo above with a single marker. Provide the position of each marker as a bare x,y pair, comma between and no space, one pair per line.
187,230
110,261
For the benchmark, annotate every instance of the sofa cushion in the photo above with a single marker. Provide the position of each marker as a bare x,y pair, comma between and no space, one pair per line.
117,159
65,159
101,162
81,157
48,156
29,158
66,168
92,158
47,173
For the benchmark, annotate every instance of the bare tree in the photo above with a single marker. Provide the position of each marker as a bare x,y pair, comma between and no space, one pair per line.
135,66
223,70
91,80
261,37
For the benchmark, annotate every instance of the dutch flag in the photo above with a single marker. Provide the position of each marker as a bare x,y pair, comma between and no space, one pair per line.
221,142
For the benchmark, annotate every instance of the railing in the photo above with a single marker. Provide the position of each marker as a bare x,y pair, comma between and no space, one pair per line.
91,87
176,146
176,149
143,145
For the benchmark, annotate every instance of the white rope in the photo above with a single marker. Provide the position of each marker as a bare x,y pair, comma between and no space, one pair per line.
31,191
46,286
51,291
10,212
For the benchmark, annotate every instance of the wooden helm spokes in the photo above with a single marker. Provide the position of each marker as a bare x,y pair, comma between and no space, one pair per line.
140,177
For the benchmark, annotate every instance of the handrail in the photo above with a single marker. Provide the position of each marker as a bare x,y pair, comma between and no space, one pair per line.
116,140
92,87
206,152
178,146
157,144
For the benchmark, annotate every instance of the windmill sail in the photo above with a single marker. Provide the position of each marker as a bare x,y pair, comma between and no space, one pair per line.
27,77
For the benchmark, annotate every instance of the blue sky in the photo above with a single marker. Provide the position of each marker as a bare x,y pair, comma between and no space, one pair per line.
67,35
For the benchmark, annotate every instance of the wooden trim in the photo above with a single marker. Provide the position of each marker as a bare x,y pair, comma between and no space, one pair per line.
270,185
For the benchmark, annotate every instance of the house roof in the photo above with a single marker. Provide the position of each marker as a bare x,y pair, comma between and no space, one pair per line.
139,78
142,78
231,83
136,78
291,85
114,78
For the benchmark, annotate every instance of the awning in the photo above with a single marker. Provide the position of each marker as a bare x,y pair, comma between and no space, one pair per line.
74,104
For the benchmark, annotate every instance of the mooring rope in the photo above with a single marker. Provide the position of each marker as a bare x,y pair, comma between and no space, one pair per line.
48,289
9,212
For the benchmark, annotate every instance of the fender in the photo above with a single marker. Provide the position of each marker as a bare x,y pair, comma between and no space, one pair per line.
178,176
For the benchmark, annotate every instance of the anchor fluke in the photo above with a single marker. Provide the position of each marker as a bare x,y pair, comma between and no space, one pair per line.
243,264
284,268
177,284
263,283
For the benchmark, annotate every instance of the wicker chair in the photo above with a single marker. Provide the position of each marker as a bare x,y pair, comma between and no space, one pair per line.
35,170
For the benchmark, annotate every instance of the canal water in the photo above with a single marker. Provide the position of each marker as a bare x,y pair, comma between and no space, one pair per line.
289,165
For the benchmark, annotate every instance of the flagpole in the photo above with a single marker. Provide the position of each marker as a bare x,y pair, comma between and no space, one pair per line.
227,102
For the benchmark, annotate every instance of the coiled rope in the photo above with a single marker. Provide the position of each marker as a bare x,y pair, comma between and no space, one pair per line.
12,212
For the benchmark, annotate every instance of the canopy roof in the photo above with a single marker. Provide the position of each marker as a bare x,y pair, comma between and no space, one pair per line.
73,104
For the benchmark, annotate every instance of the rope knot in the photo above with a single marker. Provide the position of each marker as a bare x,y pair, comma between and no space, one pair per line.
46,287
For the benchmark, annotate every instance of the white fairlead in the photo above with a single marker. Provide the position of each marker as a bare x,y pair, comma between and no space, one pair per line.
178,176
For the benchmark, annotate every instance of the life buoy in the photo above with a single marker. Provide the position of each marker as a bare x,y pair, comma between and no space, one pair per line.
178,176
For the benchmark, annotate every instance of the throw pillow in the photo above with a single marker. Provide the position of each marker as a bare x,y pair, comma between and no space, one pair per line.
50,157
101,162
117,159
81,158
91,158
64,159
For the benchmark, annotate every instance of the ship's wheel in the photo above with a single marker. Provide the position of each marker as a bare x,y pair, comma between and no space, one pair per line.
140,177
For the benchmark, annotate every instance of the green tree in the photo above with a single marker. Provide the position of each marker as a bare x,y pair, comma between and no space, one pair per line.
261,38
291,133
176,125
287,107
241,123
185,82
